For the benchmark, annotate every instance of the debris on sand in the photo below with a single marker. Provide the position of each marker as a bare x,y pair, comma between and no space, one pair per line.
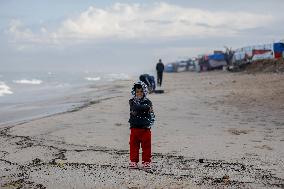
266,66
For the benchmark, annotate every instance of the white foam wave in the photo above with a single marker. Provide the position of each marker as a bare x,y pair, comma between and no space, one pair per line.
4,89
25,81
93,78
120,76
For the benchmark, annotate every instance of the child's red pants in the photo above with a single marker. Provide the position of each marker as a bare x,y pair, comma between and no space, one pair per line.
140,136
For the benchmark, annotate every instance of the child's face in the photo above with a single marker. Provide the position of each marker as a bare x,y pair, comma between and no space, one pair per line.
139,93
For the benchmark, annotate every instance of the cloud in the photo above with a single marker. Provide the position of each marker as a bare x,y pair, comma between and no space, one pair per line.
24,38
142,22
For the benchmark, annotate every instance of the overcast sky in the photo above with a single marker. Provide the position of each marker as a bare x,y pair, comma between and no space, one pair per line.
129,35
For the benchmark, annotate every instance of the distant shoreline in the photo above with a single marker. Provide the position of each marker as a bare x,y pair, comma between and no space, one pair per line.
65,106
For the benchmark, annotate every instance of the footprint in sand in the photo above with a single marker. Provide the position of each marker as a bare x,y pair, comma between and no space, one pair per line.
264,147
234,131
118,124
268,139
231,143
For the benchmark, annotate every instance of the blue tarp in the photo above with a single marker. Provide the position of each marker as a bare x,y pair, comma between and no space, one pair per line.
169,68
217,57
278,47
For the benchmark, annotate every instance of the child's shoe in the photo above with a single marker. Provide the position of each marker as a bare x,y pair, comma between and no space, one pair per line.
133,165
147,165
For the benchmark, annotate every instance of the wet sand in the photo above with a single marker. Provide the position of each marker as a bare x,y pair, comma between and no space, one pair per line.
215,129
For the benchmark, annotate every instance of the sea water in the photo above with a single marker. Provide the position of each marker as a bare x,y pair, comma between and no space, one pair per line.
32,94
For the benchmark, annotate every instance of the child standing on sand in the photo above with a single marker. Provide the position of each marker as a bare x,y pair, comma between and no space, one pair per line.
141,119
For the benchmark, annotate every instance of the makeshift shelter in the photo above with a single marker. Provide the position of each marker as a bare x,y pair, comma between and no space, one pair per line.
217,61
278,50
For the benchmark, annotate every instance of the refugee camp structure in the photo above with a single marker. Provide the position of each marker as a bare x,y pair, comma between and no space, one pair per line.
257,52
212,61
217,60
179,66
231,60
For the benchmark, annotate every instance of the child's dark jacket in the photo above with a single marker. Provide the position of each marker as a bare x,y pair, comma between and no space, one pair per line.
140,115
141,111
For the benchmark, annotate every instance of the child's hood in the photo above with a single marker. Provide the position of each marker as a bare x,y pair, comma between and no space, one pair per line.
144,88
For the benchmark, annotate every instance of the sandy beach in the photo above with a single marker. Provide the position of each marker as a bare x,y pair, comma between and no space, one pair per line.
212,130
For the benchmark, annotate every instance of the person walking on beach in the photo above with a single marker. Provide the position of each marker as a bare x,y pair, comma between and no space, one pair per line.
160,69
141,119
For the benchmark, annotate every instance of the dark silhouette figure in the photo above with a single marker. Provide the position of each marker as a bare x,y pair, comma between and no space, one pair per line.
160,69
229,54
149,81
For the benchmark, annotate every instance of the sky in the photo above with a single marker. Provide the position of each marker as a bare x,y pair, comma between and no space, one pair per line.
129,36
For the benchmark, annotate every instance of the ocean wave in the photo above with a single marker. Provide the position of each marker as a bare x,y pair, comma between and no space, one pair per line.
120,76
4,89
93,78
25,81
